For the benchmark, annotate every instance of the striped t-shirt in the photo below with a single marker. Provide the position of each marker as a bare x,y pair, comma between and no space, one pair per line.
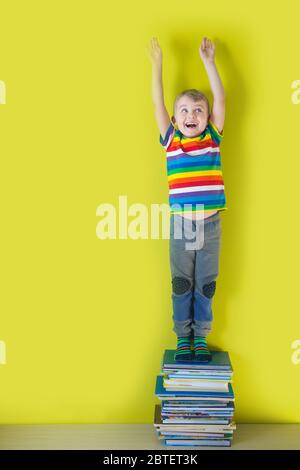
194,170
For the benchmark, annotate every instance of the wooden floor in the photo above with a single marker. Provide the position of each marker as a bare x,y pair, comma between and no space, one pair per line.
136,436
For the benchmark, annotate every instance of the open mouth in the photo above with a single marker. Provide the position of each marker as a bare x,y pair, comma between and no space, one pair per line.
191,125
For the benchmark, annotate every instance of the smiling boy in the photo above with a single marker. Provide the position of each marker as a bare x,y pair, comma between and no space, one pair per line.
192,140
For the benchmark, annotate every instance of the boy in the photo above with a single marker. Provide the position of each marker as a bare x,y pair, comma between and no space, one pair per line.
196,193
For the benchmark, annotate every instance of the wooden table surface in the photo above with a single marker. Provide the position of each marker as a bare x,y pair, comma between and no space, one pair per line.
136,436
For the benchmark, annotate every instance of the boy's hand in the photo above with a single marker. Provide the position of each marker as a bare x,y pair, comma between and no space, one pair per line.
207,51
155,52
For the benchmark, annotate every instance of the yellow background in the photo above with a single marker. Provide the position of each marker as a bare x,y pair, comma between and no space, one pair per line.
85,321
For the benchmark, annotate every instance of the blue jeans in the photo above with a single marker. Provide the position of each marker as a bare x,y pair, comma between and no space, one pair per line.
194,260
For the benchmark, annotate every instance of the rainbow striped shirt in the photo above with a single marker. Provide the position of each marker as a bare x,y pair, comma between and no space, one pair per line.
194,170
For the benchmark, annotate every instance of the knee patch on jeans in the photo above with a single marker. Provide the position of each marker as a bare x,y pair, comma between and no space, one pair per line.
180,285
209,289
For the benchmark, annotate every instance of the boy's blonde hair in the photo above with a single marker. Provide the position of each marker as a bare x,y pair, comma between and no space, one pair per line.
195,95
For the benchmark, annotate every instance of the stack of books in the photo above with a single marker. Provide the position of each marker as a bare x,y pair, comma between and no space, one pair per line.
197,401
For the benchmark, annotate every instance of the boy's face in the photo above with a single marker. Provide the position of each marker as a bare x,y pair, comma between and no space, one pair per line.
190,116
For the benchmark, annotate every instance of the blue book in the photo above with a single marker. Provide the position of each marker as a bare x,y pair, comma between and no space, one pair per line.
198,442
219,361
161,391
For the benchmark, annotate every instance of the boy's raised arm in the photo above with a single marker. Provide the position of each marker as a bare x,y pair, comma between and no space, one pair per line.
161,113
207,54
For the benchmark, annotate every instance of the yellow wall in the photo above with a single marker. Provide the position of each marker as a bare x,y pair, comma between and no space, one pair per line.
85,321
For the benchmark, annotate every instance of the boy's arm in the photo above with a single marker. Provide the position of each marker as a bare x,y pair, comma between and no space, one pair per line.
207,54
161,113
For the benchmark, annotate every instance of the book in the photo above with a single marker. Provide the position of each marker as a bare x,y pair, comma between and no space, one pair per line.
198,442
220,361
161,392
193,384
185,426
